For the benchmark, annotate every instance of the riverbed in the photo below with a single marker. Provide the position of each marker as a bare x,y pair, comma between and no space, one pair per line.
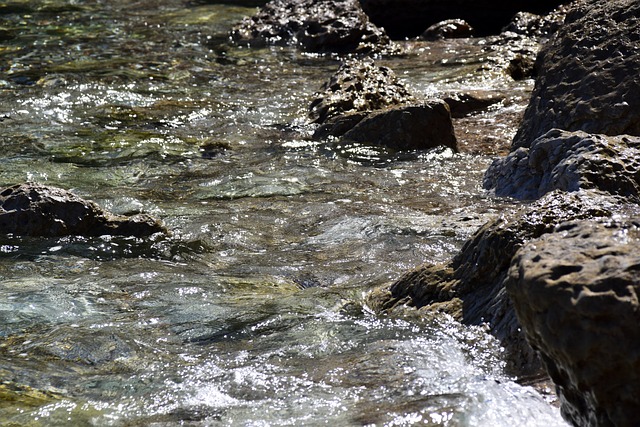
252,313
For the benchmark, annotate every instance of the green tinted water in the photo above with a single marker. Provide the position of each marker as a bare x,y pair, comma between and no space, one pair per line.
252,312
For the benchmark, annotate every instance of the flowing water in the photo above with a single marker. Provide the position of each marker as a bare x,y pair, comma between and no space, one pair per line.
252,313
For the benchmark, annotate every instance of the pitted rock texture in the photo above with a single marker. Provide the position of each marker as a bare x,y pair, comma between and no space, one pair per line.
359,86
588,74
471,287
409,18
576,295
568,161
315,26
366,104
43,211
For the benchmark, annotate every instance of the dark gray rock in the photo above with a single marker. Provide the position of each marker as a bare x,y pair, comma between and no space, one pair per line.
576,295
359,86
38,210
588,74
409,18
568,161
413,127
471,286
315,26
449,29
464,104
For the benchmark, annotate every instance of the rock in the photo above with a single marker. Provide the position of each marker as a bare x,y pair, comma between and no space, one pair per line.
409,18
464,104
414,127
449,29
568,161
588,74
575,292
38,210
471,286
358,86
315,26
364,103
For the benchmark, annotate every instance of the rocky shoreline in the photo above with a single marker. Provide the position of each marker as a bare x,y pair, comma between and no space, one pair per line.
555,279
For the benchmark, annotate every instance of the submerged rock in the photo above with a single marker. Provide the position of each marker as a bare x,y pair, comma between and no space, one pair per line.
315,26
568,161
471,287
38,210
576,295
588,74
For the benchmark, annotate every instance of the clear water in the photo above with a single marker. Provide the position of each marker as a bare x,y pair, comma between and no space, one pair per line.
252,313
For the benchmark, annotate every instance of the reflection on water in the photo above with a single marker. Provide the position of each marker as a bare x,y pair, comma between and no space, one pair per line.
251,312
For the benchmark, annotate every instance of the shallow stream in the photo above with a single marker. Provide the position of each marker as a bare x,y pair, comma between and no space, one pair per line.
252,313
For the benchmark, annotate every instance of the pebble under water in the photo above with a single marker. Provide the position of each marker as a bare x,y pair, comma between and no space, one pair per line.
252,313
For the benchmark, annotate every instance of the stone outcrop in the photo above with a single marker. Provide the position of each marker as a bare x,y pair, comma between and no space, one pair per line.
587,74
409,18
43,211
315,26
568,161
471,286
366,104
576,295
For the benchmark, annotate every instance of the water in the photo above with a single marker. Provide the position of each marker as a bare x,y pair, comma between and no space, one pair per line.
252,313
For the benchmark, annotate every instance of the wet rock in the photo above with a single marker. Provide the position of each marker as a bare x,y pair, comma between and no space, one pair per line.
359,86
568,161
471,287
409,18
414,127
463,104
576,294
38,210
364,103
315,26
588,77
449,29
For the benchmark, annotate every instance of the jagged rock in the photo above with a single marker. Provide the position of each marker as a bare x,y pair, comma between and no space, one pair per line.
38,210
576,295
449,29
471,287
588,74
359,86
315,26
364,103
409,18
568,161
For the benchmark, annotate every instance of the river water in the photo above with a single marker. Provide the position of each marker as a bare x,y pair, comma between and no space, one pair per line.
252,313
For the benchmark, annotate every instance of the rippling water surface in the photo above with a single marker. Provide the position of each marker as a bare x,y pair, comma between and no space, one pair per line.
252,312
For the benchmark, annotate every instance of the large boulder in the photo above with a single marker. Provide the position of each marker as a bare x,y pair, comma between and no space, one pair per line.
576,295
409,18
471,287
44,211
568,161
588,74
315,26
